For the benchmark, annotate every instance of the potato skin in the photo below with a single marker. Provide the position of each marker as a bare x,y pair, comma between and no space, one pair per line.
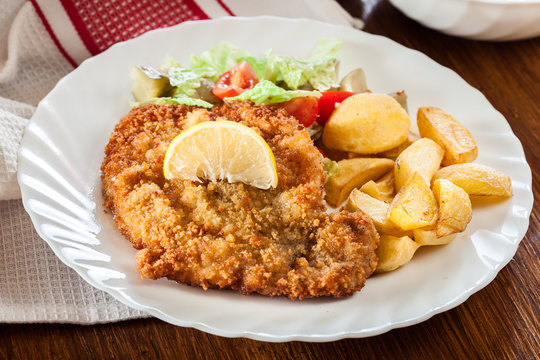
367,123
429,237
477,180
353,173
439,126
414,206
379,190
394,252
455,209
393,153
377,211
423,156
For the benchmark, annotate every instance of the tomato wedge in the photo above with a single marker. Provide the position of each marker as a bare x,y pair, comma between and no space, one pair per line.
328,101
304,109
235,81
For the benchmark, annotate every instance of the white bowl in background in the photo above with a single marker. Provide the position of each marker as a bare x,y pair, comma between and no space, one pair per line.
496,20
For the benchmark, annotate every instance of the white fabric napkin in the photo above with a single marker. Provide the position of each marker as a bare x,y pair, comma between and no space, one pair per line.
40,42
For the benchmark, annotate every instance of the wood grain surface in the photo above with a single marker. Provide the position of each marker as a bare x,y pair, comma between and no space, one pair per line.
501,321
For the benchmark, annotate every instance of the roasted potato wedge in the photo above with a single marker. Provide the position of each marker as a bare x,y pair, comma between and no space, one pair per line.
423,157
458,143
366,123
353,173
377,210
394,152
375,190
455,209
414,206
394,252
429,237
382,189
371,189
477,180
386,182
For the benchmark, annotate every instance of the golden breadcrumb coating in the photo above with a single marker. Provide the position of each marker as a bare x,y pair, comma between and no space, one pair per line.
220,235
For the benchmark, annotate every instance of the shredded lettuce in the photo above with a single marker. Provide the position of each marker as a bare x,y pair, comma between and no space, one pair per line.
185,80
330,167
326,49
217,60
266,92
177,100
319,70
186,100
259,65
291,71
315,130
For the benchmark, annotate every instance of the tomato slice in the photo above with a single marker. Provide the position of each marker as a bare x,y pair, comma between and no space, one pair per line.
328,101
304,109
235,81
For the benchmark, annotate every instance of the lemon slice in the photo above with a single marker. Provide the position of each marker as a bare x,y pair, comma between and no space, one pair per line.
221,150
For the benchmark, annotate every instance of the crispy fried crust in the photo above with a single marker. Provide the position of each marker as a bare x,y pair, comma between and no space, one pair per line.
221,235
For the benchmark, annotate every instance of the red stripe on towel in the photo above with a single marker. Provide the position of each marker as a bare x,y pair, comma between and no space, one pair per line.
225,7
51,33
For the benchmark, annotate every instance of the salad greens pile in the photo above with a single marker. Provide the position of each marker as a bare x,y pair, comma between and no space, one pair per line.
281,78
319,70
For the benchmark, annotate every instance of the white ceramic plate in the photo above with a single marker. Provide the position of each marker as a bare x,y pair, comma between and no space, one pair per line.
62,151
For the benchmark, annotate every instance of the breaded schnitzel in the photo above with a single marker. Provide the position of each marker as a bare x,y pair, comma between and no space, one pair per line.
220,235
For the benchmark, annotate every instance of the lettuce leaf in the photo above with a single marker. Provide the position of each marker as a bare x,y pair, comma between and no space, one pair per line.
326,49
320,70
315,131
259,65
186,100
266,92
177,100
217,60
330,167
185,80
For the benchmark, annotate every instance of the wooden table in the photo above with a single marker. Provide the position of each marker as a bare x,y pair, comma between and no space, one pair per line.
501,321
